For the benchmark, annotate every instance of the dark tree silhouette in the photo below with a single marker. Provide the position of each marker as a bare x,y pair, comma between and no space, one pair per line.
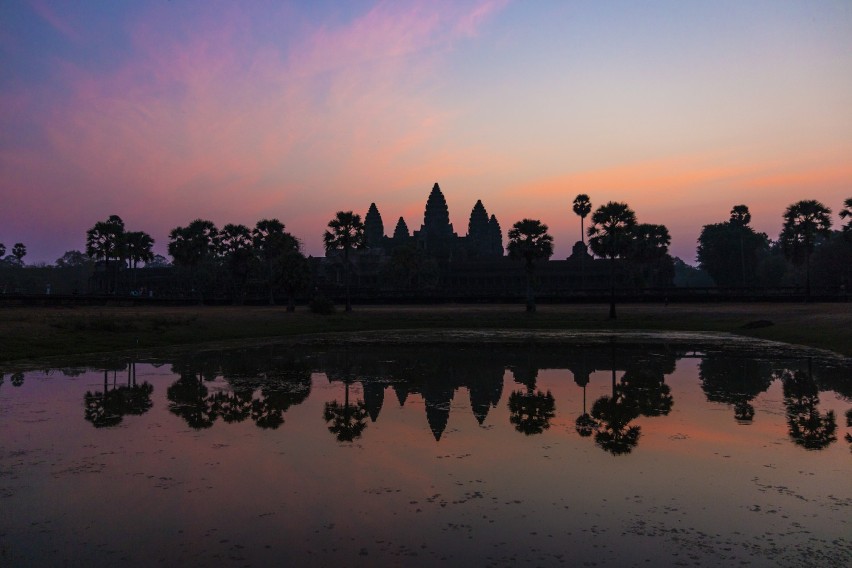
72,259
188,398
649,251
582,207
235,247
346,421
646,386
740,215
194,247
805,222
729,252
293,273
19,251
529,241
138,248
3,248
845,213
345,233
271,242
734,381
610,237
531,412
809,427
105,241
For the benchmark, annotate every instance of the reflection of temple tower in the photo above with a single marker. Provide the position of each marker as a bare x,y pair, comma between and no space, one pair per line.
374,397
485,392
438,398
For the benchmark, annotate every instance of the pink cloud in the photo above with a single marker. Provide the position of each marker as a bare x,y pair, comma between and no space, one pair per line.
212,124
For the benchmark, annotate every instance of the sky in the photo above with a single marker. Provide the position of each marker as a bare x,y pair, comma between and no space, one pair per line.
162,112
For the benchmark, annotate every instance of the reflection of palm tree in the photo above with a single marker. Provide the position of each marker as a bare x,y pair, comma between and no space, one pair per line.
188,399
348,421
584,424
530,412
615,435
234,406
614,413
102,408
809,428
17,379
734,381
647,387
108,407
849,424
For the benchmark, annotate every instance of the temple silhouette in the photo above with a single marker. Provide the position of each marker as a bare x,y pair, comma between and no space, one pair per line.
435,262
436,236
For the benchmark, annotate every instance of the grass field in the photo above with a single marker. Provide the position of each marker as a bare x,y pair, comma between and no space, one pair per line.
36,333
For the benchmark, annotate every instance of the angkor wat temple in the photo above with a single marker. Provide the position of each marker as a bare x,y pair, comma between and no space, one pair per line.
436,237
435,262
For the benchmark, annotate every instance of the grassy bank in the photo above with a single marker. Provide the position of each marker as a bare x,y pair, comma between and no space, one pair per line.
30,333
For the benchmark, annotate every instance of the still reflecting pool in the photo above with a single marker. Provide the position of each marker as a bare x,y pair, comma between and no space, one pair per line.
500,455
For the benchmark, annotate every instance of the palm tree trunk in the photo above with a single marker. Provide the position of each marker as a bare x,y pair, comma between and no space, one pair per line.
807,275
530,294
269,282
612,287
346,278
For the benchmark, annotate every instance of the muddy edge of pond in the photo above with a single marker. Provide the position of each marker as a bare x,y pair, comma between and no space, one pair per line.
703,342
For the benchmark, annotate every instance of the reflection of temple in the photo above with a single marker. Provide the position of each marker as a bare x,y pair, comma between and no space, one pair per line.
438,262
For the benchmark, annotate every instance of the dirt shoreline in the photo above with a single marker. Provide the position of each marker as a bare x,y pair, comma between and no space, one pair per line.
30,335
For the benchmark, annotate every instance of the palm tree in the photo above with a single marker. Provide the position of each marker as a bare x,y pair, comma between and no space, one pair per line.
346,232
235,246
531,412
582,207
529,241
271,241
610,237
19,251
105,240
194,247
347,421
649,249
138,245
809,427
804,222
846,213
740,215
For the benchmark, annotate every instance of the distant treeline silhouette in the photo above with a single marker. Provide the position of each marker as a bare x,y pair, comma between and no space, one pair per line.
237,262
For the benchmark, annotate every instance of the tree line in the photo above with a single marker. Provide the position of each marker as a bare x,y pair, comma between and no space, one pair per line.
732,253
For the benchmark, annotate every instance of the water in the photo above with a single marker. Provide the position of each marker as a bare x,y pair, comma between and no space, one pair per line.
505,456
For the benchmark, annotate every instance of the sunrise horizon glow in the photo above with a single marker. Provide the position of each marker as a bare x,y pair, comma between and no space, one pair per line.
164,112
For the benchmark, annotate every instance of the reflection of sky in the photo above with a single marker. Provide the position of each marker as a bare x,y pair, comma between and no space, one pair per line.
238,491
164,112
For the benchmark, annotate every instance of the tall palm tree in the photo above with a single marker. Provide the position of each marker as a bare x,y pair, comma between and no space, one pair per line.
582,207
194,247
345,233
235,246
740,215
347,421
105,240
804,222
610,237
530,241
138,248
846,213
271,241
